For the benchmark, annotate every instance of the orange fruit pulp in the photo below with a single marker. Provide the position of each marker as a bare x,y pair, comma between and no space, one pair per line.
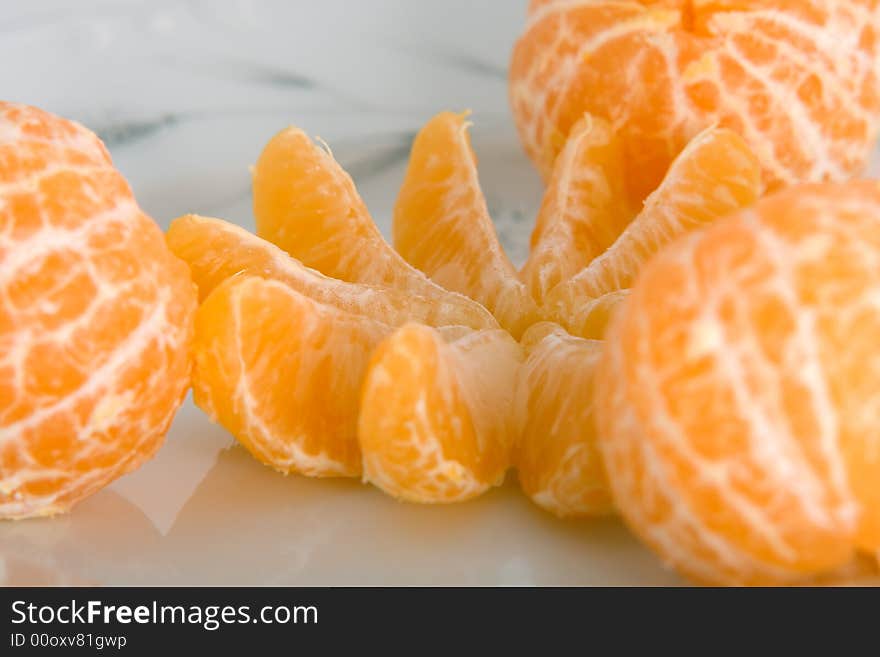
798,80
736,397
95,319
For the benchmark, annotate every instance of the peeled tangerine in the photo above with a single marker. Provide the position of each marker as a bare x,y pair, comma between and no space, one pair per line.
588,245
797,78
95,318
738,399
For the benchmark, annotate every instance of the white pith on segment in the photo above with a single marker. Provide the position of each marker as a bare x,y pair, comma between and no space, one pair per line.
240,367
423,397
786,504
691,195
452,239
216,249
352,247
585,207
557,458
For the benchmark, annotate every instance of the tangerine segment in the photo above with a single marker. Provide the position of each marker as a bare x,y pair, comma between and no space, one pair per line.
714,176
216,249
442,225
282,373
585,207
306,204
737,398
557,459
799,80
437,422
591,320
95,318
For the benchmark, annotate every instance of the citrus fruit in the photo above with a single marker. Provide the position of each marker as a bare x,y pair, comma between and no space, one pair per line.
282,373
216,249
442,225
585,207
436,419
738,396
715,175
305,203
95,318
556,457
797,79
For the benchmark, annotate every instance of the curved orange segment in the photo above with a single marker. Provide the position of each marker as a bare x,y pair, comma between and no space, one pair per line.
557,458
585,208
714,176
216,250
442,225
306,204
283,373
437,422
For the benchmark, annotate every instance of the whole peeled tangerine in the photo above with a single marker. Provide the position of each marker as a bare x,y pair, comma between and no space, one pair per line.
738,397
96,318
798,79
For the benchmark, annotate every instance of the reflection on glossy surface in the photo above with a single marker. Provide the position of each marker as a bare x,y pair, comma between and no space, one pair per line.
105,539
294,530
238,522
162,486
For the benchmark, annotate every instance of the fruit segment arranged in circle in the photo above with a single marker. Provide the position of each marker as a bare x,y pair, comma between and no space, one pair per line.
282,373
437,421
306,204
216,250
738,396
442,225
585,208
715,175
557,458
440,413
281,348
448,233
95,318
797,79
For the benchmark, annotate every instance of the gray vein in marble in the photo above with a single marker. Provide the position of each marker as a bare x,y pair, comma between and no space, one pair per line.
473,65
366,168
284,79
121,133
264,74
460,61
245,71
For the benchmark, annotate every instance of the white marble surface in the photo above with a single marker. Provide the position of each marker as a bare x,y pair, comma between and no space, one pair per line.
185,95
